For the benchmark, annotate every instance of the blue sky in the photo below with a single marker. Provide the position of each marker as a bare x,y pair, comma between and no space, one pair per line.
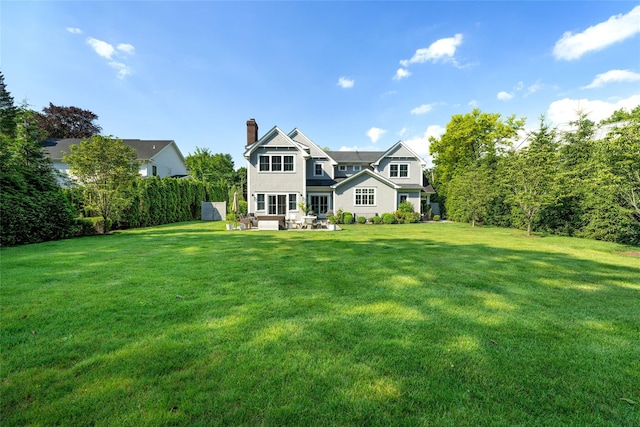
350,75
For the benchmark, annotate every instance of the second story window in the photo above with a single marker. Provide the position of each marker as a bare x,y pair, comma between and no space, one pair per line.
264,163
342,168
317,169
288,163
400,170
356,168
276,163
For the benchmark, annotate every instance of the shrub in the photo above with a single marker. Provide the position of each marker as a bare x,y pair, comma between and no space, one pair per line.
376,219
332,219
89,226
339,216
347,218
362,220
399,216
411,217
406,207
436,217
388,218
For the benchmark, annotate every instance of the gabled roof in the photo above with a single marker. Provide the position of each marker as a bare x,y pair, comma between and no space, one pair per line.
56,148
355,156
273,132
297,135
371,174
406,147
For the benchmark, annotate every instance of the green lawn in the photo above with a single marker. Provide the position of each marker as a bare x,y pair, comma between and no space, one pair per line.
417,324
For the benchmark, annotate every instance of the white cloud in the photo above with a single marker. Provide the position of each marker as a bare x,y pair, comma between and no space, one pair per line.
473,103
615,29
443,49
126,48
613,76
345,83
504,96
403,132
423,109
401,74
420,143
74,30
107,51
565,110
357,148
102,48
375,134
534,88
123,69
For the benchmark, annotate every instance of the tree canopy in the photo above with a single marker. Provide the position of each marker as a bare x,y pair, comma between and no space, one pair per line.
106,167
470,141
570,182
205,166
67,122
32,206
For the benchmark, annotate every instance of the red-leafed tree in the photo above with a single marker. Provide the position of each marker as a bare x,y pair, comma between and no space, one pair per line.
67,122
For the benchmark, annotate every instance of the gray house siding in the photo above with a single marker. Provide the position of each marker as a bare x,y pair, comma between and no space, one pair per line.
329,181
400,158
385,197
284,188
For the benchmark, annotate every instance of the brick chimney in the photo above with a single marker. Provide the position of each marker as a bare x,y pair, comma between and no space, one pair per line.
252,131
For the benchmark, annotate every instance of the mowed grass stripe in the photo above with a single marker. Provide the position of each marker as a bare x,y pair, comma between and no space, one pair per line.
416,324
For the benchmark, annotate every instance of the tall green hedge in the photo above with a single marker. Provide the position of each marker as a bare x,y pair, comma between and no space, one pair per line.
156,201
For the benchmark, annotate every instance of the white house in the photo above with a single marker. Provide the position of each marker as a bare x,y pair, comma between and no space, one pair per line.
157,157
285,169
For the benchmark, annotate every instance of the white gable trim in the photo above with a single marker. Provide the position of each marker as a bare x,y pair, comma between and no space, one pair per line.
371,174
266,137
171,144
310,143
405,146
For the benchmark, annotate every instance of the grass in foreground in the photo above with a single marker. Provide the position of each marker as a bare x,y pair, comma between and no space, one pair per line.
425,324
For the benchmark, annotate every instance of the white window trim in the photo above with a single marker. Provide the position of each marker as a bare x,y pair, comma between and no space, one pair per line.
295,209
342,168
327,195
375,196
266,201
315,165
398,164
282,163
357,168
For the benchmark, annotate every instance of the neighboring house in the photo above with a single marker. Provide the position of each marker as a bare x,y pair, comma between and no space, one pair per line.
285,169
157,158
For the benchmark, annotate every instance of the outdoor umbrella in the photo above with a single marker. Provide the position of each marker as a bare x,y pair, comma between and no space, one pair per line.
234,206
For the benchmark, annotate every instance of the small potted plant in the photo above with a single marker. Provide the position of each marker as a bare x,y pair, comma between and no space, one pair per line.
304,208
232,221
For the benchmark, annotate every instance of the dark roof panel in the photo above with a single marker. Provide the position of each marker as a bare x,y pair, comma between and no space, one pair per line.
355,156
146,149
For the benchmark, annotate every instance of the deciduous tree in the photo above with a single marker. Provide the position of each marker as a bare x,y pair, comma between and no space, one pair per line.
105,167
206,166
67,122
471,141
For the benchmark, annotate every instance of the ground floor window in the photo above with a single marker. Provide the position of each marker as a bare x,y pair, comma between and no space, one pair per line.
365,196
293,202
403,197
319,203
276,204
